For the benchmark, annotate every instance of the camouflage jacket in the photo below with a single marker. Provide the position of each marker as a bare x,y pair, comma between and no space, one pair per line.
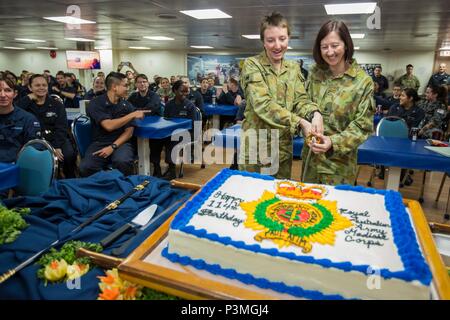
347,106
406,82
274,101
435,114
165,93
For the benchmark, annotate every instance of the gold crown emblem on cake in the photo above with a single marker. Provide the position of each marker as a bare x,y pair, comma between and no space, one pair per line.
299,190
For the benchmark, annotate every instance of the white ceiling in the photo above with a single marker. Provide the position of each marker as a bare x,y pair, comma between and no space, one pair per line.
405,24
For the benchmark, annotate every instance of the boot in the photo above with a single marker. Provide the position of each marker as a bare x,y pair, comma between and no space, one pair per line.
157,170
408,181
170,174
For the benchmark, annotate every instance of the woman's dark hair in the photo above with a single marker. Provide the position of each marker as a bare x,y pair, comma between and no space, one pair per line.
113,78
34,76
177,85
341,29
141,75
411,93
7,72
8,81
440,91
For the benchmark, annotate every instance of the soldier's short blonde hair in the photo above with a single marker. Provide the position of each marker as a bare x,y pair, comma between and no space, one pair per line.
274,20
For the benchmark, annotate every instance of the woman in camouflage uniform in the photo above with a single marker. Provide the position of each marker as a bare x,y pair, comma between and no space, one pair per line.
435,108
276,102
344,93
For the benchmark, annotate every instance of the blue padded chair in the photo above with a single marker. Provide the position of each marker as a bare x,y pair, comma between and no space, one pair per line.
396,127
197,118
38,166
390,126
82,133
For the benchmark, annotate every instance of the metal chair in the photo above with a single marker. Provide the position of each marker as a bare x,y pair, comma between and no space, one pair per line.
57,98
38,166
199,141
446,214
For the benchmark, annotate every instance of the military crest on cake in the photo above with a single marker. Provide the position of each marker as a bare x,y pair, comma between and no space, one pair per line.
295,215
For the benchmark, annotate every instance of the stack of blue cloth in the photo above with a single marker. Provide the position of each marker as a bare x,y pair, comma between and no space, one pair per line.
61,209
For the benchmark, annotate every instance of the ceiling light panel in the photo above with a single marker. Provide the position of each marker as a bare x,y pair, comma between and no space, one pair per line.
350,8
206,14
69,20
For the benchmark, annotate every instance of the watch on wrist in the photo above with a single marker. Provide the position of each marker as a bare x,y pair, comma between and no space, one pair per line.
114,146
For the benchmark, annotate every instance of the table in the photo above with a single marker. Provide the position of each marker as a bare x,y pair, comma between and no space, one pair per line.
155,127
9,176
219,110
395,153
398,153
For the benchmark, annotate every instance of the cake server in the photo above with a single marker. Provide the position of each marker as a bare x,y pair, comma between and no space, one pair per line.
139,221
161,216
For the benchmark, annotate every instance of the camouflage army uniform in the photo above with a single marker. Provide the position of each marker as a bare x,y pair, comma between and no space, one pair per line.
435,116
406,82
274,101
347,106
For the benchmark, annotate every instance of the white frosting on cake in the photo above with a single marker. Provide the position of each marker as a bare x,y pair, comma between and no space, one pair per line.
370,219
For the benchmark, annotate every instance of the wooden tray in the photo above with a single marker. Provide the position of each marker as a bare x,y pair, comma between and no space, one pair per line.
147,267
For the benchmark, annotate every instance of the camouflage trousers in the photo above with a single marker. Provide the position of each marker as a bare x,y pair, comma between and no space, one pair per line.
313,176
284,169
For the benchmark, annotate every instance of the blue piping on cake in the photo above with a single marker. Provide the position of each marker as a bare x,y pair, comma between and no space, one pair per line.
248,278
408,250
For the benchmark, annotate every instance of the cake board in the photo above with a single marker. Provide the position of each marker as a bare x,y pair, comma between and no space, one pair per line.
147,267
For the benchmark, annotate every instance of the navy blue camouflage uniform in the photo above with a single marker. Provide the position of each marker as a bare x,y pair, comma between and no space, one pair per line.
439,79
16,128
151,101
196,98
382,82
122,158
228,99
207,96
91,94
171,110
413,116
54,128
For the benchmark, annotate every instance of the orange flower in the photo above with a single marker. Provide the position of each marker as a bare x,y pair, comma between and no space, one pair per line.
109,279
130,293
111,286
109,294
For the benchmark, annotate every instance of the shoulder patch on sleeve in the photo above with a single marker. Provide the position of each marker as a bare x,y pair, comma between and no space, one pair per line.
254,77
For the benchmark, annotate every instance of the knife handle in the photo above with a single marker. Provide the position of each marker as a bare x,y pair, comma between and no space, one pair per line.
114,235
120,250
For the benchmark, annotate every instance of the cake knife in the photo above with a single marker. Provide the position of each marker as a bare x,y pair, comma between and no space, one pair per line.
139,221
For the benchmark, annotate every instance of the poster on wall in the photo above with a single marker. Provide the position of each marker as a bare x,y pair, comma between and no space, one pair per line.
369,67
222,67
